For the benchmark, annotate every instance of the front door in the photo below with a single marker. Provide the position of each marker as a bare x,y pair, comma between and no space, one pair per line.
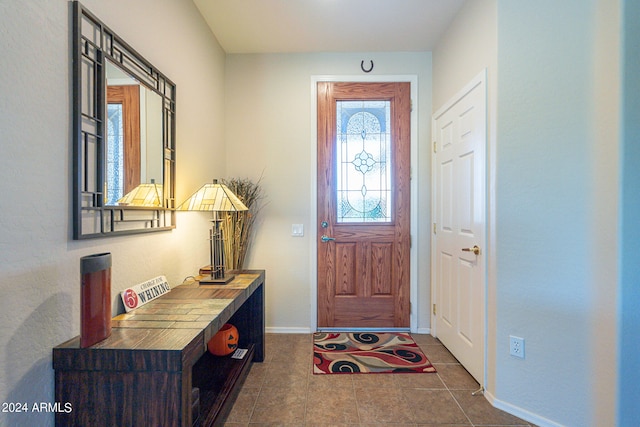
363,205
123,140
459,130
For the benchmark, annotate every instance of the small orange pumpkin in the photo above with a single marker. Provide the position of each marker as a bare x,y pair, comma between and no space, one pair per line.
225,341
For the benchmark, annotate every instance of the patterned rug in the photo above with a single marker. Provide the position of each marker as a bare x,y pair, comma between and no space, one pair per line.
363,353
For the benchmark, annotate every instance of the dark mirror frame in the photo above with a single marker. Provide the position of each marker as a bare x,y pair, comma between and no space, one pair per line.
93,44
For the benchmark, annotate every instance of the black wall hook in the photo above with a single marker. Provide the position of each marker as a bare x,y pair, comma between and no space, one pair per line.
362,66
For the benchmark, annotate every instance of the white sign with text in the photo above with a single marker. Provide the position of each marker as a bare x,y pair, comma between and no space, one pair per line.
142,293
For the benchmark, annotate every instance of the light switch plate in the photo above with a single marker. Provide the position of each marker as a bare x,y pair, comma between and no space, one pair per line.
297,230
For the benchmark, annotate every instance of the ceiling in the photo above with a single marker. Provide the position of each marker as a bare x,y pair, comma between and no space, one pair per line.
304,26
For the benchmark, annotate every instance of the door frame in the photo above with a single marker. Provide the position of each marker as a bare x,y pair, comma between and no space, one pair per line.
488,248
313,235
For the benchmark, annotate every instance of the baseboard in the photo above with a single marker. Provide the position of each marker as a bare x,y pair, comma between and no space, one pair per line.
281,330
424,331
519,412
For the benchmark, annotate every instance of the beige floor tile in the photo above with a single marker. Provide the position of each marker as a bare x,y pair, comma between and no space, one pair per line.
284,374
326,406
270,349
426,380
280,406
444,425
389,425
438,354
425,339
243,406
455,377
330,425
289,338
382,405
480,411
293,351
256,375
369,381
330,381
435,407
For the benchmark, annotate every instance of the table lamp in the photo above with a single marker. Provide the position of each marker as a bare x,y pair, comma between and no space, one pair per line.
216,198
143,195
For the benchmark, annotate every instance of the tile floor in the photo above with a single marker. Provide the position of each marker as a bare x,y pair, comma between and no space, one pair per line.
284,391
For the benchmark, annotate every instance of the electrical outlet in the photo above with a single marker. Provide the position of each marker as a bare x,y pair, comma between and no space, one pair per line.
516,346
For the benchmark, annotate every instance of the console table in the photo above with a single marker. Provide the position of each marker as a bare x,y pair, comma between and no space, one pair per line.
154,369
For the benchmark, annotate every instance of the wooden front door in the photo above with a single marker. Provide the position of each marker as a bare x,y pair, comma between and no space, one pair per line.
125,140
364,240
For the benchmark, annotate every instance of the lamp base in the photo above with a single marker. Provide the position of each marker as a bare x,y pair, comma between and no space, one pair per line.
210,280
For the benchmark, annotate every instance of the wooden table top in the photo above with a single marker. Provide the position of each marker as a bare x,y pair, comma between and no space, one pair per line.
183,320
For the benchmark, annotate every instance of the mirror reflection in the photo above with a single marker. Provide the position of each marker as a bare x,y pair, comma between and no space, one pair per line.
124,136
134,135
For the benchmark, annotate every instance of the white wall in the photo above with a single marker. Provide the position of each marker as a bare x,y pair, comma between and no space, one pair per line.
607,193
629,297
39,263
469,46
557,196
269,132
553,95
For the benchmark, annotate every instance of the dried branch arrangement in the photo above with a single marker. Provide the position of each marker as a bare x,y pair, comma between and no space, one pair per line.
237,226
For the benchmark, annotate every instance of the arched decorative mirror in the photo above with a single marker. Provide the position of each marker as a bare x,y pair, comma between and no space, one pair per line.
123,136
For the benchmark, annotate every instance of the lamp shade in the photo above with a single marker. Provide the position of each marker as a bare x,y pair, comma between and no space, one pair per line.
216,198
213,197
143,195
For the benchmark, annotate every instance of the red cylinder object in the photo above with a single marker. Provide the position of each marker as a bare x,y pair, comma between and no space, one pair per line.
225,341
95,299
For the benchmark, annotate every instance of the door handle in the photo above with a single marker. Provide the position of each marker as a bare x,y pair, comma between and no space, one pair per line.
475,249
327,238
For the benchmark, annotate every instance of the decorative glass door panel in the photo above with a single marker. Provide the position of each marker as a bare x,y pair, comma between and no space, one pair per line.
363,158
115,157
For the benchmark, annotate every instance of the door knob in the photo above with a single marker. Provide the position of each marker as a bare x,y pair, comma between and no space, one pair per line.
475,249
327,238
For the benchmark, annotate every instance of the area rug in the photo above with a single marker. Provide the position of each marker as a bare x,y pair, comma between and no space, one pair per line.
365,353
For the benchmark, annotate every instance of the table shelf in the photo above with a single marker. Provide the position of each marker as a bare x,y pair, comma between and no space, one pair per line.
146,372
219,380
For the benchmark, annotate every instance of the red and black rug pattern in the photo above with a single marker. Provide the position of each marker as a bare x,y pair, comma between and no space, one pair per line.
366,352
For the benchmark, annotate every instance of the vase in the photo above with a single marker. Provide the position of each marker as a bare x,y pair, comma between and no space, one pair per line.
95,298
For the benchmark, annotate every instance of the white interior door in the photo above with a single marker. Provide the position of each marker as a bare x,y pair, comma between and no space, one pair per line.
459,212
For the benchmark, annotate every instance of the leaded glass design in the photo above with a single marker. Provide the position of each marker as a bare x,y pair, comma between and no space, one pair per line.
363,158
115,154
